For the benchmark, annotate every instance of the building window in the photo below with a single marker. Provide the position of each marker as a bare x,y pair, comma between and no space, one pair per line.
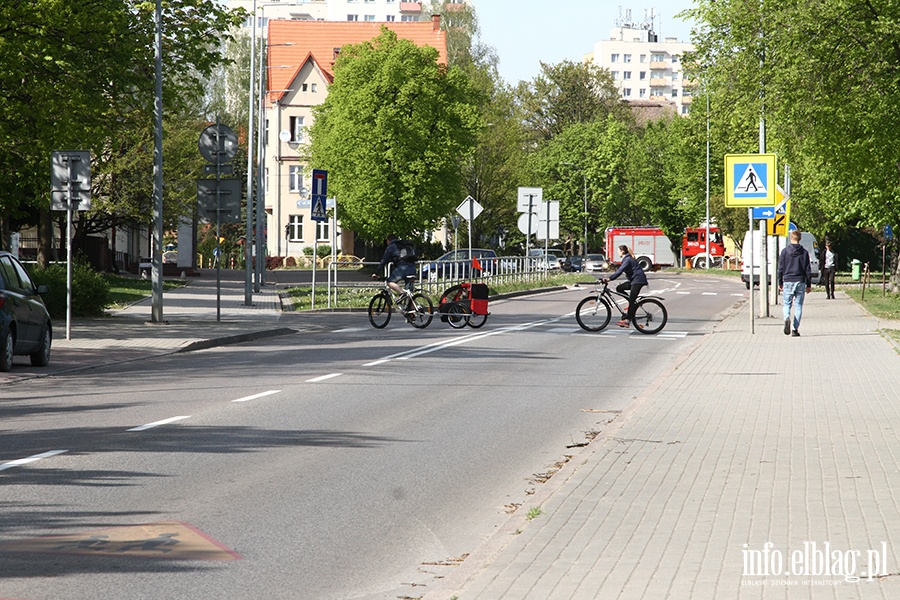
614,58
391,1
370,1
657,58
298,131
687,92
295,179
674,75
675,58
323,231
643,75
615,75
353,17
312,88
390,18
295,228
626,75
304,87
626,58
642,92
409,18
369,18
626,93
686,109
643,58
675,95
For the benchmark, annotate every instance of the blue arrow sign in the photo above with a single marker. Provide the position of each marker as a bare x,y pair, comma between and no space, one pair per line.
763,212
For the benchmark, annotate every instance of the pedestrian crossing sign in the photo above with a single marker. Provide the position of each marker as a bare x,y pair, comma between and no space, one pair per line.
750,180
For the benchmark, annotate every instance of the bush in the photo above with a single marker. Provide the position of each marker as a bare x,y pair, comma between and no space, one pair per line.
290,261
90,290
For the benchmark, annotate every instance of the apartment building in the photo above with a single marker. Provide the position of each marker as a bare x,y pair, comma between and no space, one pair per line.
301,61
366,11
643,66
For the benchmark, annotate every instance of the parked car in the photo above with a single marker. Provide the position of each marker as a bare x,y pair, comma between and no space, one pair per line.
458,264
25,327
573,264
595,262
547,259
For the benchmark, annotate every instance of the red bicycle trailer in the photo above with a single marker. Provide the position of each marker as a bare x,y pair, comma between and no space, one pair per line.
465,304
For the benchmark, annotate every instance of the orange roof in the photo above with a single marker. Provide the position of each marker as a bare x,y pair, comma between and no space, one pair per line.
317,40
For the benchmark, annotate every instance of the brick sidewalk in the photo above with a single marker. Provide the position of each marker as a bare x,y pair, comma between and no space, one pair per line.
751,439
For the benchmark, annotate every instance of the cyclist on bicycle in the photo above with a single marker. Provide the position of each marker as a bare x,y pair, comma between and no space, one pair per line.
404,263
636,282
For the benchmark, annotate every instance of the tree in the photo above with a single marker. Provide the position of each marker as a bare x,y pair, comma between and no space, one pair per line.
393,132
80,76
567,93
826,75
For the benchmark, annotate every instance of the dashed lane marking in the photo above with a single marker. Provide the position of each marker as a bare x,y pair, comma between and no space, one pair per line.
323,377
255,396
158,423
29,459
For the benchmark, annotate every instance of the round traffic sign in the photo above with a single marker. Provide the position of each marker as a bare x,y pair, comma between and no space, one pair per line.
218,144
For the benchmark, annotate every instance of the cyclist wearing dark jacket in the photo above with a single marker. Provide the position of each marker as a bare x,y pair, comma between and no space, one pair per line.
636,282
401,268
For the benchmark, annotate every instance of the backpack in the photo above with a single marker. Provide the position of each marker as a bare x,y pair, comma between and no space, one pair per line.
407,251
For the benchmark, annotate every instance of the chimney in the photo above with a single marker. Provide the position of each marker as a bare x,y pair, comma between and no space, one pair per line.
436,22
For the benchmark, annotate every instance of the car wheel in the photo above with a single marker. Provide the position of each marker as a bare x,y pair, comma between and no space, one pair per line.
7,345
41,358
645,263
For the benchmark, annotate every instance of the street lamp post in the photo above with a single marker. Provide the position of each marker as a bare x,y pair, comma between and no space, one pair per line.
584,179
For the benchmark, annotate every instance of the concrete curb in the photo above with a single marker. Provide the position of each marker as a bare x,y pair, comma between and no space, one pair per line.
234,339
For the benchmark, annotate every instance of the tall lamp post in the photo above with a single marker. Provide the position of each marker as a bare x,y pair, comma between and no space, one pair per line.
584,179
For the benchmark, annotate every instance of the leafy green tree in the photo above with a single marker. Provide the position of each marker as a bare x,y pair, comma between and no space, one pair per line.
567,93
393,132
80,76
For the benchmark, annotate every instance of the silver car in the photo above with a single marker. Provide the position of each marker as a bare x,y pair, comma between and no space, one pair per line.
595,262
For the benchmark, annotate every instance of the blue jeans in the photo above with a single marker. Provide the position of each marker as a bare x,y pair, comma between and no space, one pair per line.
793,294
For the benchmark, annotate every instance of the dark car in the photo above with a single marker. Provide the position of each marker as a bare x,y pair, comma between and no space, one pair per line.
573,264
25,326
457,264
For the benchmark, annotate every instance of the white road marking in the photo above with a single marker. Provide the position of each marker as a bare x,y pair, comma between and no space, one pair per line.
158,423
710,293
351,329
323,377
682,292
255,396
29,459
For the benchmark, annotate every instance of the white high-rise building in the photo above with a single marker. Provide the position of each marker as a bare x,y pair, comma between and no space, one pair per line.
373,11
643,66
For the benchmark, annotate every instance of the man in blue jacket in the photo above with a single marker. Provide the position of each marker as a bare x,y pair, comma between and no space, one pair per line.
794,281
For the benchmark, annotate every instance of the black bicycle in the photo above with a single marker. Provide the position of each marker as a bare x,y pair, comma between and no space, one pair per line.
595,312
416,307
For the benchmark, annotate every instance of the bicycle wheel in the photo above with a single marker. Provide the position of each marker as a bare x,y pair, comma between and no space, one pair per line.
476,321
424,311
380,310
650,316
457,315
593,313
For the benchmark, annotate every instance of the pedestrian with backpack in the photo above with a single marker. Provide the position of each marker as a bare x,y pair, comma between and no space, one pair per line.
401,255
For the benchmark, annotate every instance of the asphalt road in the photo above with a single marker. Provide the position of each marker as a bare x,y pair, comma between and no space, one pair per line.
355,463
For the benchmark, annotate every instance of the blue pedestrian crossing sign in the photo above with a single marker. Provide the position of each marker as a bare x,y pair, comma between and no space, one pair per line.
750,180
319,192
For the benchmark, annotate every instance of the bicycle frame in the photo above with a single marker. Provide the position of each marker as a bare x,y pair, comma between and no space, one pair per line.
417,307
593,313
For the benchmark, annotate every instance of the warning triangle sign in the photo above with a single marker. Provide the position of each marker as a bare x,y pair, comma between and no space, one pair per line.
750,183
168,539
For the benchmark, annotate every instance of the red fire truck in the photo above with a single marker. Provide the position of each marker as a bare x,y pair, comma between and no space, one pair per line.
653,249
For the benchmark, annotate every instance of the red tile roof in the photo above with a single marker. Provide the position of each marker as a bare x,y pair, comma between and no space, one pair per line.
317,40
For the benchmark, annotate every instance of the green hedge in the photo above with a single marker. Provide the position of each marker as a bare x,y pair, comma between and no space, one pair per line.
90,290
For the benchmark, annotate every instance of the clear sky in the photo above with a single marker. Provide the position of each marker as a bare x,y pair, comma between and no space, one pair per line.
526,32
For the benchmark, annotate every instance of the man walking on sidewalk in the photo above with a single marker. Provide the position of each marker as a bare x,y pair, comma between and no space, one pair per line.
794,281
